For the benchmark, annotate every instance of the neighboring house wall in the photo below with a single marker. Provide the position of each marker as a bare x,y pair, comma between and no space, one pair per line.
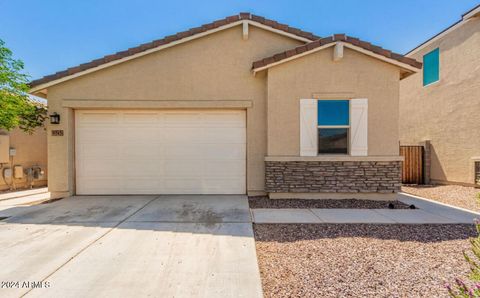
447,111
31,150
212,68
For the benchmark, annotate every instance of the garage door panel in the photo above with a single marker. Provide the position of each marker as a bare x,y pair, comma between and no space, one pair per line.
144,169
141,118
101,186
207,151
182,185
229,135
231,169
223,151
160,152
98,151
182,119
217,186
224,119
143,186
93,133
141,151
141,134
101,168
173,151
189,135
103,118
183,168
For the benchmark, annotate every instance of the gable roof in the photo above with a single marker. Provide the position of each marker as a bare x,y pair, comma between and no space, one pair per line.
350,42
158,44
474,12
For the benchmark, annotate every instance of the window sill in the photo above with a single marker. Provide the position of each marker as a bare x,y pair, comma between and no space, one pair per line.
432,84
333,157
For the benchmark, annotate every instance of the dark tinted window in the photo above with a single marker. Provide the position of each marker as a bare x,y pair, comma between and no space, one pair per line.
333,140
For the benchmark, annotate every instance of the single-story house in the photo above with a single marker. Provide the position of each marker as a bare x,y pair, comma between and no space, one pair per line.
441,104
243,105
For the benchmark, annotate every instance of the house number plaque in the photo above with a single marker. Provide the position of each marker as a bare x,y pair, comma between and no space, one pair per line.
57,133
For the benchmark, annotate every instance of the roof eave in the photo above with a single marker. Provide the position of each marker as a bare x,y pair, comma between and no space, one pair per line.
474,12
404,66
242,19
134,56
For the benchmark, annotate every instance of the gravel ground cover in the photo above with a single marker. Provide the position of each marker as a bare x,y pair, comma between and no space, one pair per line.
265,202
361,260
461,196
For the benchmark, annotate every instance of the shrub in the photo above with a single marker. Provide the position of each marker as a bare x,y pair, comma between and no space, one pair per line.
460,289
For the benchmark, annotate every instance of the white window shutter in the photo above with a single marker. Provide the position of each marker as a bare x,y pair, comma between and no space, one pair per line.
359,127
308,127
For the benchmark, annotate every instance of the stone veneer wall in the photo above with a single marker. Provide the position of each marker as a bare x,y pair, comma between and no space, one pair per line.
333,176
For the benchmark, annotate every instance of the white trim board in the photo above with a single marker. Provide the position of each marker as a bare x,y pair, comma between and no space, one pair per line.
348,45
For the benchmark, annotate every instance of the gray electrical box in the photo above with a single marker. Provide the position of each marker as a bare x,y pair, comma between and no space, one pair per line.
4,149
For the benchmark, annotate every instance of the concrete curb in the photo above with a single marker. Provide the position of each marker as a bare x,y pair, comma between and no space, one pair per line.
22,193
440,203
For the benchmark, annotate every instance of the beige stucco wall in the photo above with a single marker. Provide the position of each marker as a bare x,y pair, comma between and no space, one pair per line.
447,112
216,67
31,150
318,76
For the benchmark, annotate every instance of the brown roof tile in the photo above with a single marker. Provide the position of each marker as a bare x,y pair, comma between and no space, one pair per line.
172,38
339,37
290,53
336,37
353,40
280,56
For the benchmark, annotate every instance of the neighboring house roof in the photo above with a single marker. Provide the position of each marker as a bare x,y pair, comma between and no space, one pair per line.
37,99
351,42
184,35
474,12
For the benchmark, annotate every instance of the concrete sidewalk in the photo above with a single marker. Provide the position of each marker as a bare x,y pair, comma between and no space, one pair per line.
428,212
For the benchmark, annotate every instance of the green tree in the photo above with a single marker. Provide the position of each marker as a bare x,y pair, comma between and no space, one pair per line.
16,107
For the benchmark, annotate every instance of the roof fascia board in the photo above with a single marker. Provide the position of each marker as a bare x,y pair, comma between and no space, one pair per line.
268,28
383,58
293,57
471,13
147,52
347,45
159,48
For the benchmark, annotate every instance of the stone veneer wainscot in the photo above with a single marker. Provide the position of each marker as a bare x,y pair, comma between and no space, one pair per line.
333,176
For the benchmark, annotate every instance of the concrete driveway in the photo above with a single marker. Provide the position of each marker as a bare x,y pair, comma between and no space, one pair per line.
122,246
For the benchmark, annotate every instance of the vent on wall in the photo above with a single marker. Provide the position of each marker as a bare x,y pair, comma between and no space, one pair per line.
477,172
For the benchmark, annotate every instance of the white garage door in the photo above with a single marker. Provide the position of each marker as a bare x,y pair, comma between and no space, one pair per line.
160,152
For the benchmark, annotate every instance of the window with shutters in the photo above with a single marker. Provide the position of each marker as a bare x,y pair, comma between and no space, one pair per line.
333,126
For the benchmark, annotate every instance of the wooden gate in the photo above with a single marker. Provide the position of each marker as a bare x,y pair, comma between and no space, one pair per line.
412,171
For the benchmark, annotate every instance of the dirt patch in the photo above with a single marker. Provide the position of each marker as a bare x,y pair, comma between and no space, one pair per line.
361,260
265,202
461,196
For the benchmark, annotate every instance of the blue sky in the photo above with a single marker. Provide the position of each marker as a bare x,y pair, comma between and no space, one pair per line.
52,35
